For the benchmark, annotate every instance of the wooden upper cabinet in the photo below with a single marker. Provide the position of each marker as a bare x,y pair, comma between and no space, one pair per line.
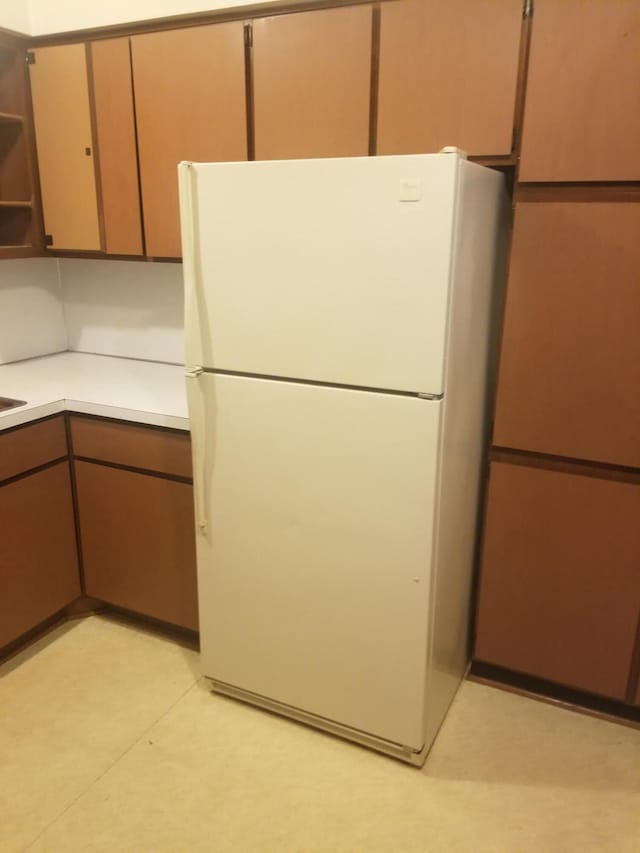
312,75
559,587
190,105
582,111
570,362
117,153
64,142
448,75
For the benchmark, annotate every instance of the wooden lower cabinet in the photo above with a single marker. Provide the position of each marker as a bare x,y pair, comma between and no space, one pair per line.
38,557
138,542
559,593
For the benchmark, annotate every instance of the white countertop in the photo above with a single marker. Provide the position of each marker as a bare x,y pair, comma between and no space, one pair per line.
143,391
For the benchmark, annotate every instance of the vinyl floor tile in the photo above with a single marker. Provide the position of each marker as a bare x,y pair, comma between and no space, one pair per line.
506,774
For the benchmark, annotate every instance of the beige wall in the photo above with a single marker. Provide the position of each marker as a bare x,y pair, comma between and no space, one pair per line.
50,17
14,15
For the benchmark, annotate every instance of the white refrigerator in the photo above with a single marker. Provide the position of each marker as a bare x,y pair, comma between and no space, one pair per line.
338,317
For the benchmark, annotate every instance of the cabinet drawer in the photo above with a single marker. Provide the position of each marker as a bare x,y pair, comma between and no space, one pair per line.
32,445
128,444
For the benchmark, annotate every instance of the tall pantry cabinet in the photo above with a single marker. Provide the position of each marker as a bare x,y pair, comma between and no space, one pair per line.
559,587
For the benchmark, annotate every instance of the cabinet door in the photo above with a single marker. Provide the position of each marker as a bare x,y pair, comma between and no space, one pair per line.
190,105
312,74
64,142
138,542
570,362
582,110
448,75
117,152
38,558
560,577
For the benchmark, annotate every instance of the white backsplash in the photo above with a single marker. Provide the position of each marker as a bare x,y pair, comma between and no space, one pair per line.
124,308
31,315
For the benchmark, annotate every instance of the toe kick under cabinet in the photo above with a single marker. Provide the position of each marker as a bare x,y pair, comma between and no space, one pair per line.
135,508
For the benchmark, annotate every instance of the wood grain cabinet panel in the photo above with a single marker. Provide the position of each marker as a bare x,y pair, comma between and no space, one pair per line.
582,110
30,446
117,151
560,577
38,558
570,360
64,142
448,75
190,101
166,451
138,542
312,73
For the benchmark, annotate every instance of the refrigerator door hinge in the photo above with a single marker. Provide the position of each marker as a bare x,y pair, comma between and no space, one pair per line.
48,240
424,396
30,57
527,12
248,35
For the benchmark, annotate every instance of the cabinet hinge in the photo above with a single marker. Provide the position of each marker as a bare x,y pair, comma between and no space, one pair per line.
48,240
528,9
248,35
515,139
30,57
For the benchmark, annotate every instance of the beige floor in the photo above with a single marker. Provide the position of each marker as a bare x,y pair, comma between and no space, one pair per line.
109,741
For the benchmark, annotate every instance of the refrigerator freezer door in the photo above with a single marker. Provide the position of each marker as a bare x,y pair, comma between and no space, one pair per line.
329,270
314,567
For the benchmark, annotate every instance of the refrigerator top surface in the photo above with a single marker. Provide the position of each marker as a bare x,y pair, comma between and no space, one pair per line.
334,271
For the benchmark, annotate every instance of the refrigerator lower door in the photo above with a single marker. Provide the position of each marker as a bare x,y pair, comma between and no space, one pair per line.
314,566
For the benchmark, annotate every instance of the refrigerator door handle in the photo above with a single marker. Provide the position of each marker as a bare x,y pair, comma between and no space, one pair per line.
191,271
199,436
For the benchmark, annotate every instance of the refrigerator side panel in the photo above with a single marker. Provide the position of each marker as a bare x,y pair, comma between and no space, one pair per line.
478,271
314,567
332,270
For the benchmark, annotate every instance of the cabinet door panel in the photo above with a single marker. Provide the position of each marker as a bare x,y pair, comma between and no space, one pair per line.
116,137
582,110
190,105
138,542
62,118
448,75
38,558
570,362
560,577
312,73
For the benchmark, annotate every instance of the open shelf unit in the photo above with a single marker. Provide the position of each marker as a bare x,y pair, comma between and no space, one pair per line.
18,228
